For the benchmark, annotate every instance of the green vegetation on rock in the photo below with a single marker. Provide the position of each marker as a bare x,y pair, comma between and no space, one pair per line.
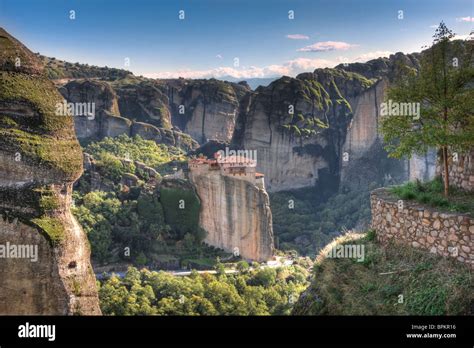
44,137
52,226
181,208
316,99
158,156
59,69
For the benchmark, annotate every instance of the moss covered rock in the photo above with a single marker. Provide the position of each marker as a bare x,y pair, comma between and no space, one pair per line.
40,159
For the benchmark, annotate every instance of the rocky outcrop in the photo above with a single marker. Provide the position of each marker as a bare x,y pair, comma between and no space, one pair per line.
108,122
235,214
163,136
298,126
367,161
444,233
144,101
332,137
364,160
387,67
205,109
40,159
93,91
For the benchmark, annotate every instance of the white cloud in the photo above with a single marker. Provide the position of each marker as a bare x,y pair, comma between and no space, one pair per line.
289,68
327,46
434,26
371,55
465,19
297,37
218,56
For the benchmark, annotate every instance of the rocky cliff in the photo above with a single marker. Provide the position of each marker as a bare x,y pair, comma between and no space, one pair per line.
330,136
144,101
45,256
236,215
322,127
367,161
205,109
118,106
298,127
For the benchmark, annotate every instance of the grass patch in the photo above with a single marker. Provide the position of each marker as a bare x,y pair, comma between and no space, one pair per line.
398,280
431,193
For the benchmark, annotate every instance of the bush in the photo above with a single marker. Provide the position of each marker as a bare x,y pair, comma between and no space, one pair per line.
431,193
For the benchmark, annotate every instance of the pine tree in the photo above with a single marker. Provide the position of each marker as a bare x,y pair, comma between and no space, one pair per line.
443,90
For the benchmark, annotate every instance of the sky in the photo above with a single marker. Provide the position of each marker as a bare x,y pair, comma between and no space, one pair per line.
238,38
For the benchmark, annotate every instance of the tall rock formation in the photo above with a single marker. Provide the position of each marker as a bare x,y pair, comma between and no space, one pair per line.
367,160
40,159
298,127
235,212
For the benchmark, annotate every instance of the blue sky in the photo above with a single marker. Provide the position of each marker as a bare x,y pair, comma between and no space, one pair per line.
215,32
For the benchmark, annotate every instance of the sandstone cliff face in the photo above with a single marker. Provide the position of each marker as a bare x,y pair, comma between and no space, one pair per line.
144,102
384,67
39,161
236,215
366,160
204,109
98,92
210,107
116,107
333,132
296,149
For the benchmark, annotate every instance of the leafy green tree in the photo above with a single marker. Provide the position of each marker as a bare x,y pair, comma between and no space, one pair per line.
220,269
265,277
146,293
443,90
243,266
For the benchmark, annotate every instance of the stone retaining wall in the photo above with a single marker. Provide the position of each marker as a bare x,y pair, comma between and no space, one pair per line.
461,171
442,233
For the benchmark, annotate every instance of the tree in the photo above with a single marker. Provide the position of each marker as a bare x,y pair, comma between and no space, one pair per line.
442,89
243,266
265,277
